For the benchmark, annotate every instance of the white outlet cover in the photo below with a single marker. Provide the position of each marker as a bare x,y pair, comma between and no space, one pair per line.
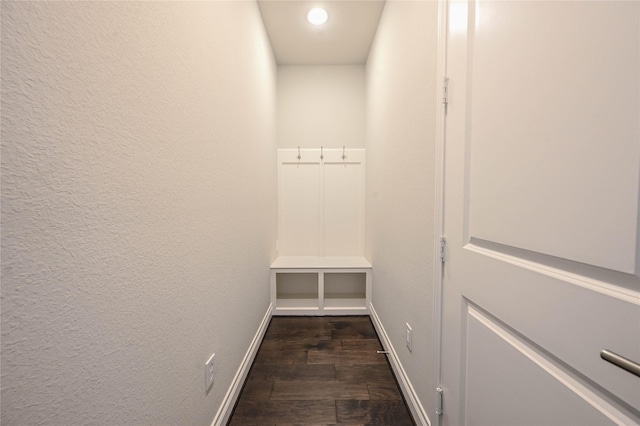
208,373
408,335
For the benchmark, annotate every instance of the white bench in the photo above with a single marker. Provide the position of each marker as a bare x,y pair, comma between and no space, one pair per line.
311,285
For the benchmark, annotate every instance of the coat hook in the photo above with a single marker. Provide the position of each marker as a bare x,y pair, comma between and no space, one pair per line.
343,156
321,152
299,157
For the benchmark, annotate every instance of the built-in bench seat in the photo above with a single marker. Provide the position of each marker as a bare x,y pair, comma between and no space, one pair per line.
316,285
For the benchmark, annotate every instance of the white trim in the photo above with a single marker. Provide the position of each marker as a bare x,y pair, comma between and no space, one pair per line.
438,270
320,262
602,287
417,410
226,408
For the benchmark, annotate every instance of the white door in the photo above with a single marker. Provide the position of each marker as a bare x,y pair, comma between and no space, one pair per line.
542,183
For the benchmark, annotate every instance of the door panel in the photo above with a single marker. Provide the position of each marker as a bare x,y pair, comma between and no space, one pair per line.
299,201
542,183
494,351
573,319
544,114
343,208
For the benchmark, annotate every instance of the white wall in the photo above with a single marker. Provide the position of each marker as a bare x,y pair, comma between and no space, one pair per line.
138,207
321,106
401,94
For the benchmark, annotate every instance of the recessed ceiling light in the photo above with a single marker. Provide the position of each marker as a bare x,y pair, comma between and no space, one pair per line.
317,16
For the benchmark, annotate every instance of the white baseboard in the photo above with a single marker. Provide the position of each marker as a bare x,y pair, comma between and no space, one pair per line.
417,410
226,408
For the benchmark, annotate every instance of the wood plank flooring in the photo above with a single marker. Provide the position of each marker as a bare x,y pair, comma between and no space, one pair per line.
321,371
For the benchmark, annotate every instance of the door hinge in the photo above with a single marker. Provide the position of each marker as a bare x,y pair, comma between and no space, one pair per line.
445,91
439,397
443,248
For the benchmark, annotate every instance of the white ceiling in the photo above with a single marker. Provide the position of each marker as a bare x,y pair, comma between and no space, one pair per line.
345,39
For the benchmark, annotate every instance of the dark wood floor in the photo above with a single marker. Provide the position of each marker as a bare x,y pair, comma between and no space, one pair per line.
322,371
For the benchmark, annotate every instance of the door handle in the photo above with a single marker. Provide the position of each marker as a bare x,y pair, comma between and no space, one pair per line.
622,362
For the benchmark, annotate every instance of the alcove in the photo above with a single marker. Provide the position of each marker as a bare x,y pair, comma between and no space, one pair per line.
384,101
321,267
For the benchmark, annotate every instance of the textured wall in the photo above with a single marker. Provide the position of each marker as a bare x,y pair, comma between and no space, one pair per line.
321,106
401,94
138,207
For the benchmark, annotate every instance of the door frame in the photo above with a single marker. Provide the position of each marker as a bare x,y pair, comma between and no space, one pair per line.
441,106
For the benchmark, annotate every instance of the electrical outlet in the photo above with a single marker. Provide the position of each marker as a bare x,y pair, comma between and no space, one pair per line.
208,373
408,337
